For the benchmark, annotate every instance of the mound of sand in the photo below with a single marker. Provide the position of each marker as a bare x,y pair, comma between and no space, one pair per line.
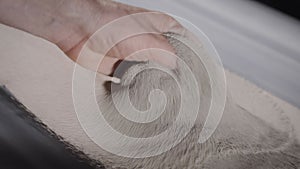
257,130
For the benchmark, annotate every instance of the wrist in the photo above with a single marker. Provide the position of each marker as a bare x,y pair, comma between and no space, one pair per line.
75,20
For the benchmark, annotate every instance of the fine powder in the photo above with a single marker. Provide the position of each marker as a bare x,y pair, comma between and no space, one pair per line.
241,140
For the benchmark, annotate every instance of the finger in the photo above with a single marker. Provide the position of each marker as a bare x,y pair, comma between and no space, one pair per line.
126,49
93,61
108,65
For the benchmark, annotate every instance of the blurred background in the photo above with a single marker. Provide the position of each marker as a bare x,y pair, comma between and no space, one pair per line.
259,40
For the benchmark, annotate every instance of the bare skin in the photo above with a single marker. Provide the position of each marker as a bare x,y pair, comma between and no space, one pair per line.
69,24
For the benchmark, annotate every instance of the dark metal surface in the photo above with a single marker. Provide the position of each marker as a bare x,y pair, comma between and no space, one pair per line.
28,143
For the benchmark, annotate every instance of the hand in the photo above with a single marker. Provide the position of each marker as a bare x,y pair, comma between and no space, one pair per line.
70,23
112,11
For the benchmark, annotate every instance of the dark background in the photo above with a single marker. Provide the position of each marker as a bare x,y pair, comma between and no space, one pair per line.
290,7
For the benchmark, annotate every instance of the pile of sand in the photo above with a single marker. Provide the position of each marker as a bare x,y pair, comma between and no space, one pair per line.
257,129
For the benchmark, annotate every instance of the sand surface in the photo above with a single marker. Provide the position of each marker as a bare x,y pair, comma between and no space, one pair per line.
40,76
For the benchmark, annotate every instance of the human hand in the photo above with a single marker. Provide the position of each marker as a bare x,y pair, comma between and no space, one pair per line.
70,23
161,23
